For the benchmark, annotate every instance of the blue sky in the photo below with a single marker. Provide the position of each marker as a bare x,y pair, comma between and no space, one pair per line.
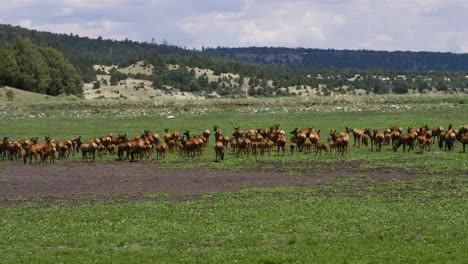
418,25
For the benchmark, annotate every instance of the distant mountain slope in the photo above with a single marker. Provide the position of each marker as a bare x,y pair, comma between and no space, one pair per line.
357,59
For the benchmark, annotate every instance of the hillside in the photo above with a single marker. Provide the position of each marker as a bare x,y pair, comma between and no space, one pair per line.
128,69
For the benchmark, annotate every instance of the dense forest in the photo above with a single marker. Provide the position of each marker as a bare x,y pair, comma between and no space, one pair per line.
53,54
357,59
37,69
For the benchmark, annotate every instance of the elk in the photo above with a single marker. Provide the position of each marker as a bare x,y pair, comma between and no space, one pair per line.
171,139
292,146
33,150
76,142
281,143
244,145
206,134
88,147
319,147
371,137
406,139
131,148
14,149
462,136
314,136
49,148
341,141
161,149
220,137
300,137
442,136
358,134
425,141
436,131
450,139
379,139
307,146
219,150
48,153
197,143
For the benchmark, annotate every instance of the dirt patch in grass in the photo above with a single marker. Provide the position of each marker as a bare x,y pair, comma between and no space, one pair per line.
72,182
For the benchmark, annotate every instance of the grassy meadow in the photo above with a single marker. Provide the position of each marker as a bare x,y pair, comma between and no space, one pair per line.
422,220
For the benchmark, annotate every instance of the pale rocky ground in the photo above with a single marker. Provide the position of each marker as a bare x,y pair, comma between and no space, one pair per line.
142,89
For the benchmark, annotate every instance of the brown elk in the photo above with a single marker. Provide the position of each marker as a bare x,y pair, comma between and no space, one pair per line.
292,146
281,143
371,135
379,139
244,145
50,147
171,138
197,142
206,134
48,154
358,135
300,137
462,136
13,148
88,148
307,146
161,150
219,150
220,137
406,139
33,150
341,141
450,139
442,136
76,142
425,141
319,147
436,131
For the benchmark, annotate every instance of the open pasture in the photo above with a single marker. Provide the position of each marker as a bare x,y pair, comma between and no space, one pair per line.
364,206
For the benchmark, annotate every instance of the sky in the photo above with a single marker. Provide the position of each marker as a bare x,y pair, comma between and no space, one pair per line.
416,25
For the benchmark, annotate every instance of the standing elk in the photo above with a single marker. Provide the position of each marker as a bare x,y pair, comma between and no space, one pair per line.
13,148
219,150
358,135
88,148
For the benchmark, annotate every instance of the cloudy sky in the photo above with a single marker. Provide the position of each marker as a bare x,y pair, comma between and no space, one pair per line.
418,25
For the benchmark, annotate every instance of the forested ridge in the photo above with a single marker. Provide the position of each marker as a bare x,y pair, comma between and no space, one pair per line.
358,59
62,61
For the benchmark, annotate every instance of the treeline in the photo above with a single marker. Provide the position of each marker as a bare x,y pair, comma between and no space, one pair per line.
37,69
356,59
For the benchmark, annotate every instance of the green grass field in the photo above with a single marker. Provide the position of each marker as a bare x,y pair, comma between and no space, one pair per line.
414,221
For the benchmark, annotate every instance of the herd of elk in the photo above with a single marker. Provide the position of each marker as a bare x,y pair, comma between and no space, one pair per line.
252,141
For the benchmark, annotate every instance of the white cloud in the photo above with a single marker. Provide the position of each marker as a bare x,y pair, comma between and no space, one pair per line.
25,23
342,24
